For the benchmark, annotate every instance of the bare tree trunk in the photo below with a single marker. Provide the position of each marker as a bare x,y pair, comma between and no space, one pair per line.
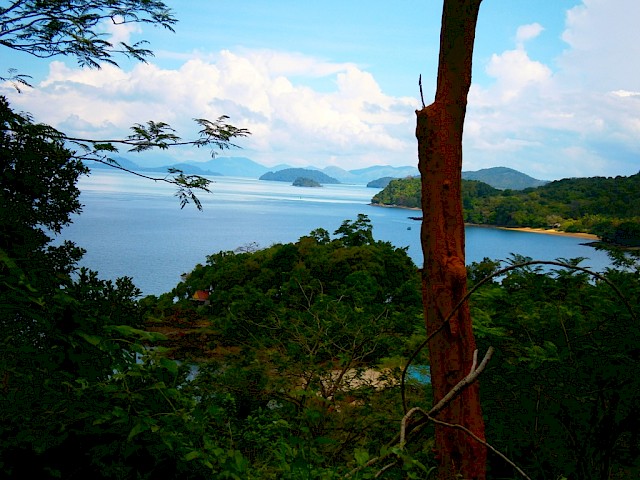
439,132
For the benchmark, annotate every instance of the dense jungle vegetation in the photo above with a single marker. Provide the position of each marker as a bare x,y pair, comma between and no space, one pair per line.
605,206
289,365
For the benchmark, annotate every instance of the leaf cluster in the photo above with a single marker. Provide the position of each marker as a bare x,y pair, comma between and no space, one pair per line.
45,28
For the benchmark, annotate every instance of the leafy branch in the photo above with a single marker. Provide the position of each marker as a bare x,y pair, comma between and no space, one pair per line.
46,28
217,134
401,439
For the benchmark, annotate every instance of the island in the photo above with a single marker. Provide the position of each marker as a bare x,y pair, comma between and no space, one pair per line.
305,182
291,174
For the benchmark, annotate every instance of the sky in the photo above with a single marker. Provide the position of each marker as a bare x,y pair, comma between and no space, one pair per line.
555,91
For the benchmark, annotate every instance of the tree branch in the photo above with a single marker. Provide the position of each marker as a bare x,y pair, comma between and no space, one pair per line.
479,440
454,392
448,398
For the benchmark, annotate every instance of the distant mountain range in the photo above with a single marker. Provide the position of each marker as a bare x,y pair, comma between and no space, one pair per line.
497,177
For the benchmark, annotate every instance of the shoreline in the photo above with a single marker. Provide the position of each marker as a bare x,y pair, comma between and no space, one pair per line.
545,231
550,231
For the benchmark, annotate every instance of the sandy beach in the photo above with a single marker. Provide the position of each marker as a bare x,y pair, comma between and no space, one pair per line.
546,231
551,231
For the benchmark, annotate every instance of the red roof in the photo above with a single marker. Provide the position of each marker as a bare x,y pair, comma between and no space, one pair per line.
201,295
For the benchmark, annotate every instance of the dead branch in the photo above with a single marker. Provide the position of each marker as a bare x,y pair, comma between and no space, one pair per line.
448,398
471,377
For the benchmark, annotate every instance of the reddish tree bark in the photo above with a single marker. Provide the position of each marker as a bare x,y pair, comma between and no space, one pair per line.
439,133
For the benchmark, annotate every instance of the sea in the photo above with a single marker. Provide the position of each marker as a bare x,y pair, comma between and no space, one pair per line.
134,227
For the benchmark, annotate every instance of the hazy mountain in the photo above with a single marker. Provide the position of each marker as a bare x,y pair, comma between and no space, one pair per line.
187,168
503,178
377,171
233,167
123,162
380,182
290,174
341,174
497,177
282,166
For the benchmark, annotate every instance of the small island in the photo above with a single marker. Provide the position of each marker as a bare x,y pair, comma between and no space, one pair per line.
291,174
305,182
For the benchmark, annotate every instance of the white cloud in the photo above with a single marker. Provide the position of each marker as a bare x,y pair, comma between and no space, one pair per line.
625,93
120,32
528,32
580,118
604,45
263,91
514,71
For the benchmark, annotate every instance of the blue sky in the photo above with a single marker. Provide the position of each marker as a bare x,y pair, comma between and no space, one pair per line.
556,83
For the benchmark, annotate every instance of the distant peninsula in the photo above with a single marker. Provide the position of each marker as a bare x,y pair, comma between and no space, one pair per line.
291,174
305,182
608,207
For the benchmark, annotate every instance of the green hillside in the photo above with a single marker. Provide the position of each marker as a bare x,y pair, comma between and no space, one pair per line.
605,206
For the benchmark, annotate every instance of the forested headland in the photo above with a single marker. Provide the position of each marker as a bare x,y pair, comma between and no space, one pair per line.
608,207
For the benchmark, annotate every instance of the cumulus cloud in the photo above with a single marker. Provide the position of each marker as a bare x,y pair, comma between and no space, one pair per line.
578,116
575,115
514,72
263,91
603,44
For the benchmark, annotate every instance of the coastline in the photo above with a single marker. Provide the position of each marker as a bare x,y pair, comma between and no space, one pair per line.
550,231
545,231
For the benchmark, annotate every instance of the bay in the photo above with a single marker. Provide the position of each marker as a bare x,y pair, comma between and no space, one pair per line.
135,227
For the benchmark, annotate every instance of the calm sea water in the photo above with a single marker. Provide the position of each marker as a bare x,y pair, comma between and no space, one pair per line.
134,227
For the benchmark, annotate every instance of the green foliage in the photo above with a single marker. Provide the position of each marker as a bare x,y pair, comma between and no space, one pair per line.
46,28
561,395
300,332
86,390
404,192
607,207
38,176
356,233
